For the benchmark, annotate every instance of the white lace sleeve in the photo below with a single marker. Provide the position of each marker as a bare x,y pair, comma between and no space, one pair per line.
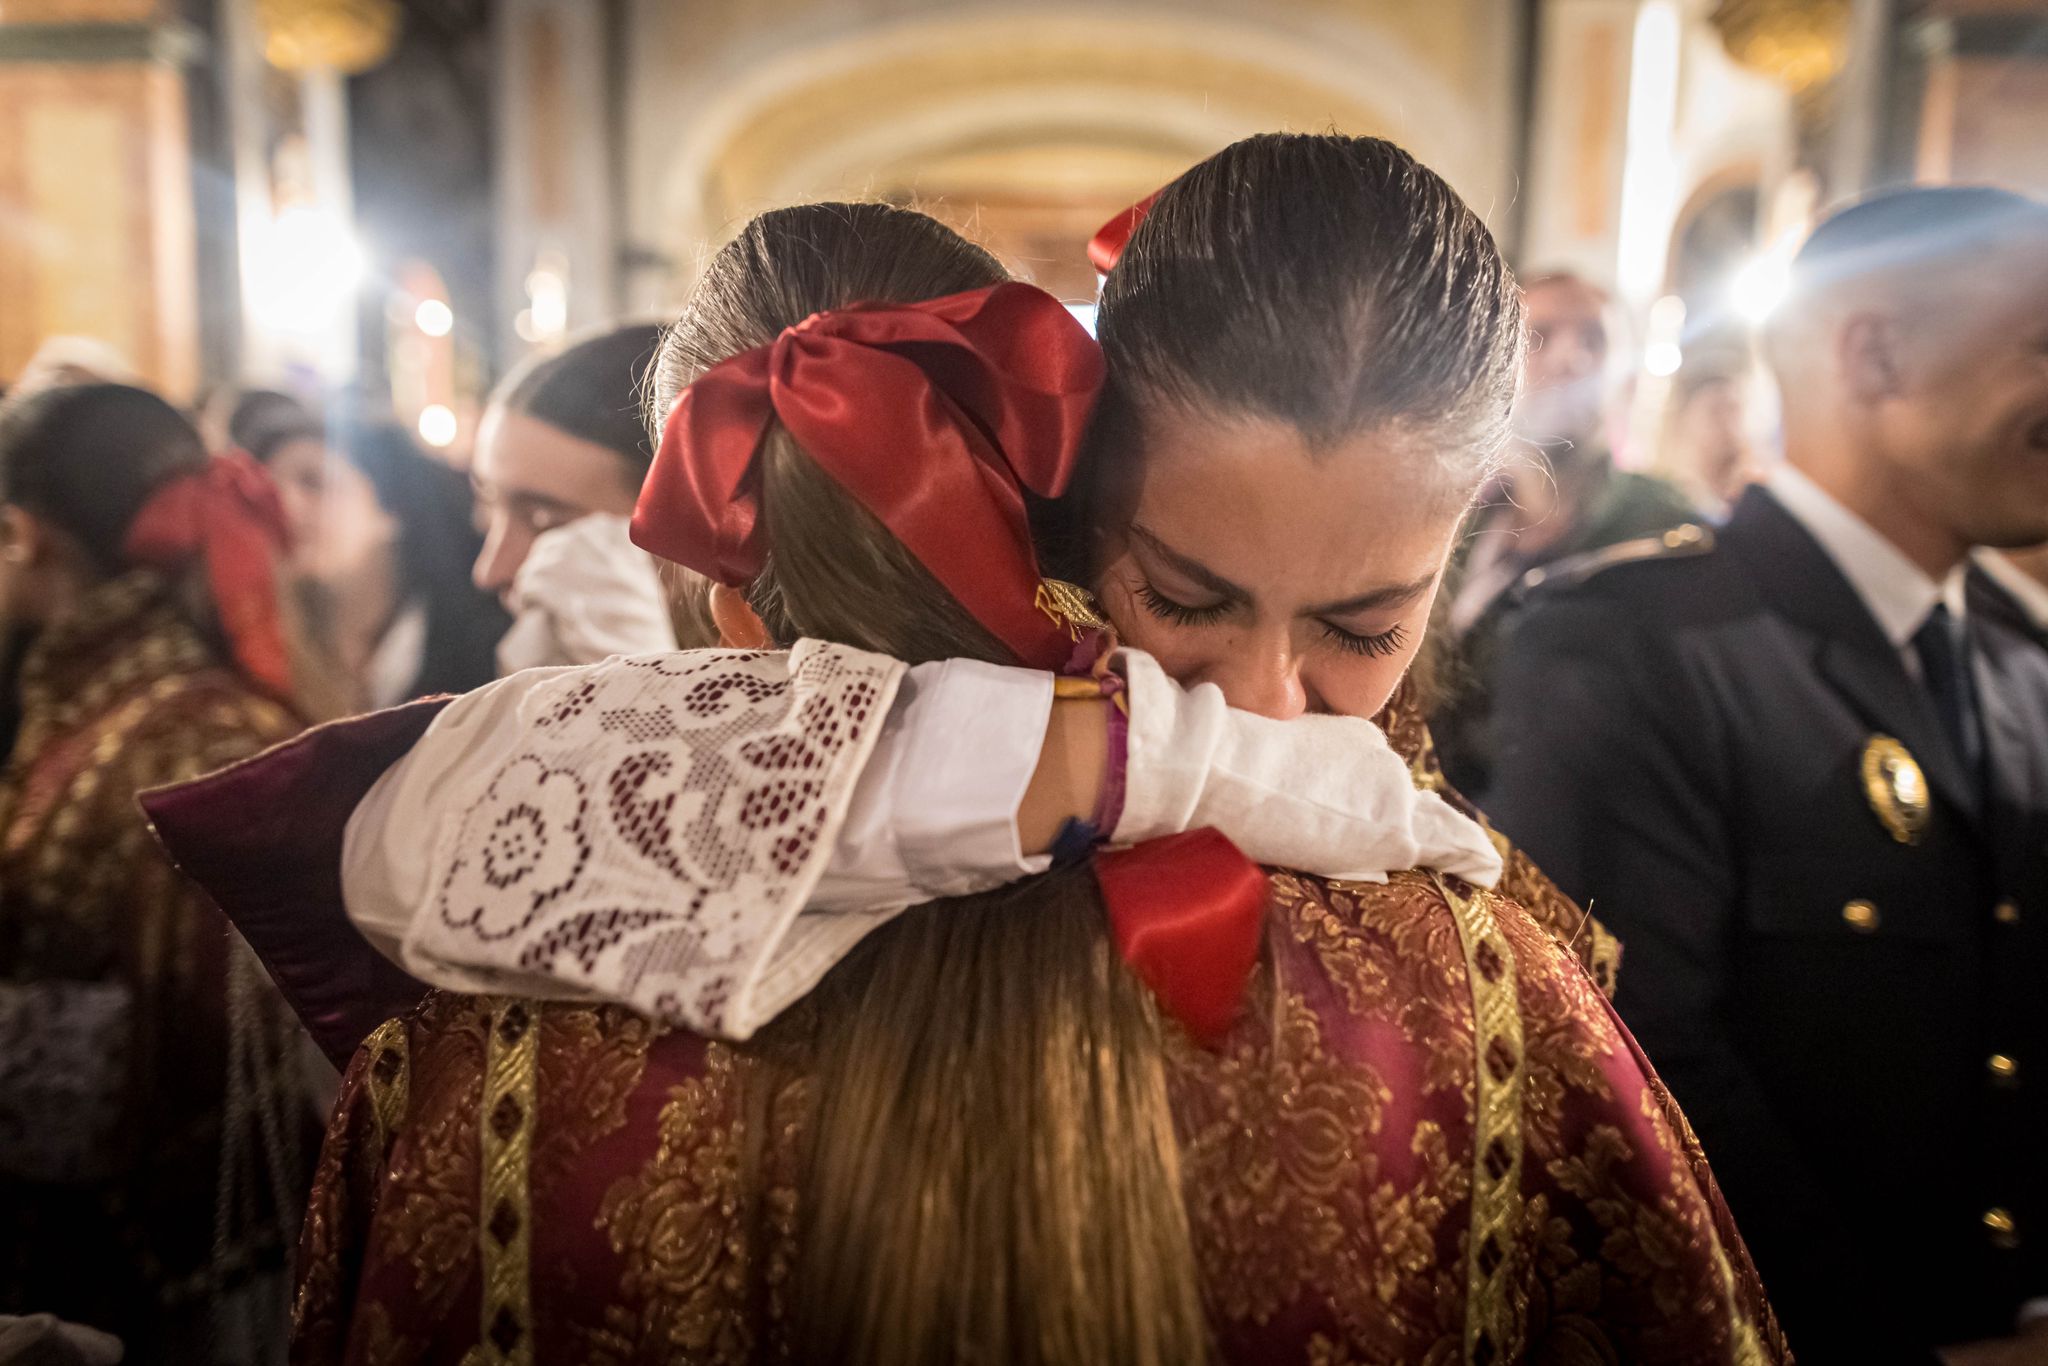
652,825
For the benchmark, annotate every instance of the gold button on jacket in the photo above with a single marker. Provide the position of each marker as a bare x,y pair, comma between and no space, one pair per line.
1861,915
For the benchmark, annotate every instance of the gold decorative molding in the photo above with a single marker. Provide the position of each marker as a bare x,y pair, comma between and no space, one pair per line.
1801,44
337,35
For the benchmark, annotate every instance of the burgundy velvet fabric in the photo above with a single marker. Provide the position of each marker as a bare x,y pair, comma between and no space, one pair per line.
263,839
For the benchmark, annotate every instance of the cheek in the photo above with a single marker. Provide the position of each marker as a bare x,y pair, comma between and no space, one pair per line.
1356,685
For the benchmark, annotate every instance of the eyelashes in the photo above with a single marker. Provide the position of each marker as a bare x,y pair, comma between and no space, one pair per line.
1179,613
1383,645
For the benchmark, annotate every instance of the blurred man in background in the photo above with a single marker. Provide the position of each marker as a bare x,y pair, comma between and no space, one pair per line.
1807,786
1566,499
1704,447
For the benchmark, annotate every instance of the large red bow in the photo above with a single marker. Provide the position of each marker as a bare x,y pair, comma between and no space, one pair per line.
1106,247
936,416
1187,912
227,514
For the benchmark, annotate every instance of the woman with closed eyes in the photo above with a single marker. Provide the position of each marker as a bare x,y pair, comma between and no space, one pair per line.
1411,1131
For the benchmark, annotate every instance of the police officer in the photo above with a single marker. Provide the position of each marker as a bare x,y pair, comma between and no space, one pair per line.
1808,788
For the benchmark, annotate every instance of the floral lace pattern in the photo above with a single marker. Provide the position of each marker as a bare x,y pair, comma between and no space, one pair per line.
637,794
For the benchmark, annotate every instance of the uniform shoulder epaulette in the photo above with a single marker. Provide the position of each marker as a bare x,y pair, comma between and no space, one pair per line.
1681,542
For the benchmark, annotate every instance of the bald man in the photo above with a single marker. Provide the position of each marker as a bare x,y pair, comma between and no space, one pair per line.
1808,788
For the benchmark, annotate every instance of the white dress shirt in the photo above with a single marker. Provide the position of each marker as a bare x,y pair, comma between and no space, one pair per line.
1898,592
2029,592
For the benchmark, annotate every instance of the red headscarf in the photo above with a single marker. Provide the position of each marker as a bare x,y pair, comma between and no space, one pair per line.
225,513
936,416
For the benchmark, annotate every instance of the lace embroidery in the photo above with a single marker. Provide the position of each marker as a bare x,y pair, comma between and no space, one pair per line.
632,793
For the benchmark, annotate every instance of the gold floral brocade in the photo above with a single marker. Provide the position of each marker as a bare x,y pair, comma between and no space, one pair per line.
1367,1177
122,695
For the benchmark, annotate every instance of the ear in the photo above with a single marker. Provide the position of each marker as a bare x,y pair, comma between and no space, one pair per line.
739,626
22,542
1868,354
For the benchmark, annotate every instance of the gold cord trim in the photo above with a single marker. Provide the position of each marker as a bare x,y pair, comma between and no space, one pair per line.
389,1049
505,1217
1492,1311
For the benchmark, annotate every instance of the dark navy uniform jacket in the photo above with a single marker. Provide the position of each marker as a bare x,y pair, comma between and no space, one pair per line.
1856,1026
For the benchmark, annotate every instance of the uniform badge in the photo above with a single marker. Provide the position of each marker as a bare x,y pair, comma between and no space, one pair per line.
1896,788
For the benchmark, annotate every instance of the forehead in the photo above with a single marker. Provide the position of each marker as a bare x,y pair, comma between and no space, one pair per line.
1254,503
518,453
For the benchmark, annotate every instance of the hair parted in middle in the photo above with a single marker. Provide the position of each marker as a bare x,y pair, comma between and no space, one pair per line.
1333,283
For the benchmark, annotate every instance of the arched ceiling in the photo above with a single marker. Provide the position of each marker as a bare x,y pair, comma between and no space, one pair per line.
1052,107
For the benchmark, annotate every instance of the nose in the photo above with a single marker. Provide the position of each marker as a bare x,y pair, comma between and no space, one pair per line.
504,551
1263,680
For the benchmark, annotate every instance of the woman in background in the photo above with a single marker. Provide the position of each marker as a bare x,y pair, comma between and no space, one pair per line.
560,456
382,537
150,1157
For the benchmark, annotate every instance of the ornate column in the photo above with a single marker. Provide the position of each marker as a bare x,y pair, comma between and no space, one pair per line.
557,148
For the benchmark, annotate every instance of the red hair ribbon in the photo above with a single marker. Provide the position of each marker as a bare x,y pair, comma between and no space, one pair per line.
227,514
1106,247
936,416
1187,912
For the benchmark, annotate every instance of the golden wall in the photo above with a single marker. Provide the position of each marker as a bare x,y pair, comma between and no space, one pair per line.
96,198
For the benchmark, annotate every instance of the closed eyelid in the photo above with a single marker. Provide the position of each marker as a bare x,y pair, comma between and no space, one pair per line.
1194,571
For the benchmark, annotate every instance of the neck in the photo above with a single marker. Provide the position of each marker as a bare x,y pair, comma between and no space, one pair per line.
1892,508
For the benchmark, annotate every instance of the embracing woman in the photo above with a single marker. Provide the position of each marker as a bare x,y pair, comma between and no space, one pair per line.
1069,1121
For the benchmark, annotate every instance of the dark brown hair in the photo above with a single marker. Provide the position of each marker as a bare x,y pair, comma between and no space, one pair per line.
86,457
990,1171
591,389
1334,283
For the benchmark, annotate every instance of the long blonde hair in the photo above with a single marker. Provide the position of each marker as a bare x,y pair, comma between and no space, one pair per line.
990,1171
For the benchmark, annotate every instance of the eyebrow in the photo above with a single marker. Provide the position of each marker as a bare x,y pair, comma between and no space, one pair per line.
1378,599
529,499
1194,569
1393,595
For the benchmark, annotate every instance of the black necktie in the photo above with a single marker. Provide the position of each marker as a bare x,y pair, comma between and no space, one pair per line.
1944,650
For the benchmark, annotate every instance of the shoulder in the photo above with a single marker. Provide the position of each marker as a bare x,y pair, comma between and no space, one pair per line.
1647,496
1641,565
191,724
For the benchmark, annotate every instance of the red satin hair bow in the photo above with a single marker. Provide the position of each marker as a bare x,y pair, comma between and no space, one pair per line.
1106,247
1187,912
226,514
936,416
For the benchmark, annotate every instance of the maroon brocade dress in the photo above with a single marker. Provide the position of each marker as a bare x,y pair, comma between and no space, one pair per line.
116,982
1426,1139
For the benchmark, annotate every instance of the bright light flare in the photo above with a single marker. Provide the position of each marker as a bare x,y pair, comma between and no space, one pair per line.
303,271
438,425
434,318
1760,286
1662,359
